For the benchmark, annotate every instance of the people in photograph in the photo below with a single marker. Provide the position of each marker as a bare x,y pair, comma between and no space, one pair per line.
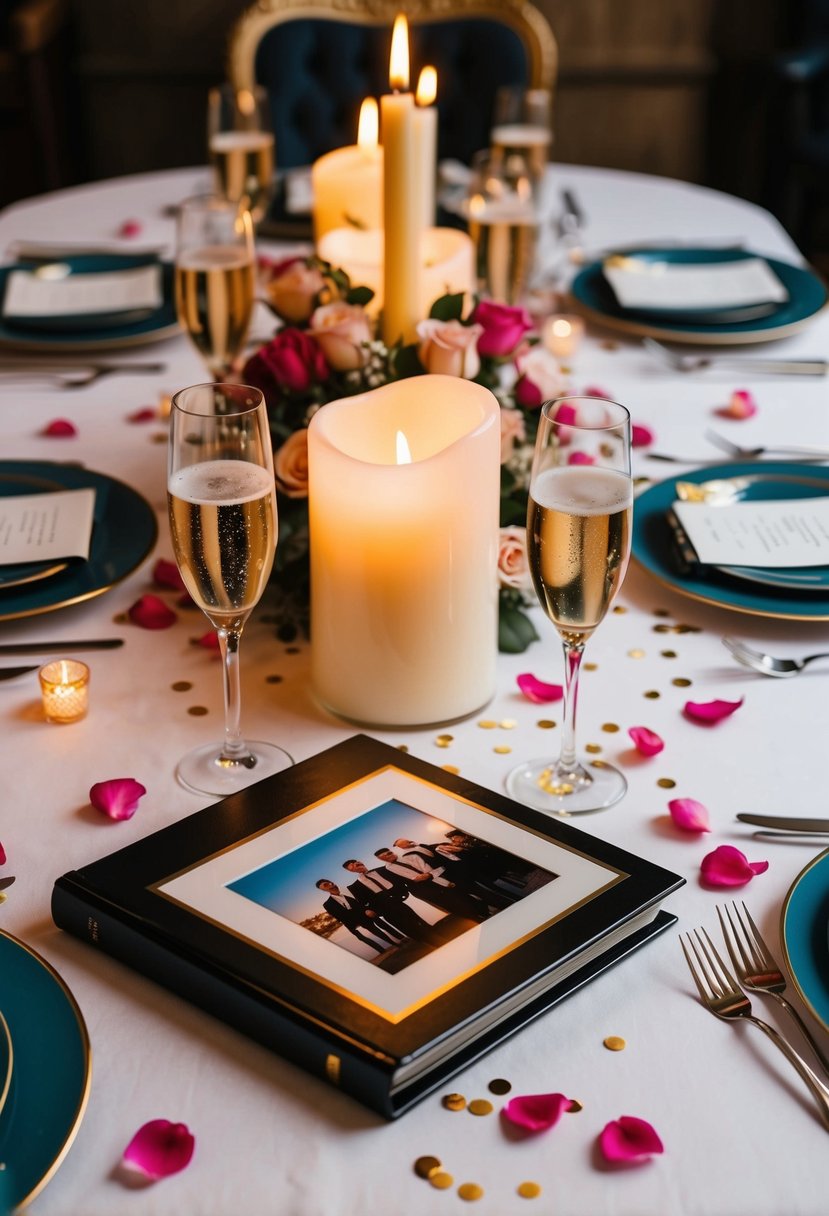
386,894
486,863
357,919
429,882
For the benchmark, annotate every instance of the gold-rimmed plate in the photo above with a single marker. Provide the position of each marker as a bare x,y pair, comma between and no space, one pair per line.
27,572
803,936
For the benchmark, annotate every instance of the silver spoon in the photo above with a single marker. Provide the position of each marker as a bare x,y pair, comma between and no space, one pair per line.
767,664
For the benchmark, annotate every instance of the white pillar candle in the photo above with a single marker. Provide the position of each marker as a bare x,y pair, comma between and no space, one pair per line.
404,602
401,197
426,143
348,182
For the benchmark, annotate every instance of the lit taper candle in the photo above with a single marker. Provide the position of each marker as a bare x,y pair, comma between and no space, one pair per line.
347,183
401,197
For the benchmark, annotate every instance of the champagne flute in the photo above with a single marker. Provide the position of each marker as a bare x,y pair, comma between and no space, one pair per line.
241,146
222,504
522,123
503,223
578,542
215,278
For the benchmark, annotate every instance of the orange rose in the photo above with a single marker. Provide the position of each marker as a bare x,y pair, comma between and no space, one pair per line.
343,335
291,465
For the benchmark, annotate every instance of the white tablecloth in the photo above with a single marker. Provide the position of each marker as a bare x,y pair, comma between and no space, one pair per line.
740,1133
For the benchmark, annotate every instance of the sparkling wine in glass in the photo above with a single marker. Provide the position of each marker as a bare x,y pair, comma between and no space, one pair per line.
241,146
222,505
214,278
578,542
503,223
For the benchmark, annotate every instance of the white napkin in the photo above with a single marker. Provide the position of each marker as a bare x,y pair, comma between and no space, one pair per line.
642,284
47,292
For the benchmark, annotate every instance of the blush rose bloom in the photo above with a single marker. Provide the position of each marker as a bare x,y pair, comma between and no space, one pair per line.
513,565
513,430
447,348
291,361
343,333
294,290
504,327
290,465
539,377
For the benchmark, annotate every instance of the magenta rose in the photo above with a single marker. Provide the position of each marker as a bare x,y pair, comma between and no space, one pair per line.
539,377
291,361
503,326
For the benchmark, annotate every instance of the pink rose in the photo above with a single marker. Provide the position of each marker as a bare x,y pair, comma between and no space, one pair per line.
294,289
290,465
448,348
539,377
504,327
512,430
513,566
292,362
343,333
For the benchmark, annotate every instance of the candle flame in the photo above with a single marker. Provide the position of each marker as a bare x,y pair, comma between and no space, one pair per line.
367,131
404,453
427,86
561,328
399,60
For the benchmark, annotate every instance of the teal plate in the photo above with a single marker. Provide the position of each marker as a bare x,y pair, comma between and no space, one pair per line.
805,921
94,333
738,591
807,296
124,531
51,1077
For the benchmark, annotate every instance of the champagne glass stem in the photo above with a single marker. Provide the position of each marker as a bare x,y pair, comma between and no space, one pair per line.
573,654
235,750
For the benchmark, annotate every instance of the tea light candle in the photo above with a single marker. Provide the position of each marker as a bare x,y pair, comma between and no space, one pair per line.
348,182
562,334
402,206
403,506
64,688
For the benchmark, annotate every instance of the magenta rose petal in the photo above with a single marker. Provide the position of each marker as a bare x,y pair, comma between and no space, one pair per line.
150,612
580,458
147,413
566,414
647,742
536,690
536,1112
689,815
166,574
710,712
628,1140
118,797
728,867
209,640
2,856
130,228
60,428
741,405
641,436
160,1148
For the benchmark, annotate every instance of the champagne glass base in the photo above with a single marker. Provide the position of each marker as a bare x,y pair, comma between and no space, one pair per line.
202,772
537,784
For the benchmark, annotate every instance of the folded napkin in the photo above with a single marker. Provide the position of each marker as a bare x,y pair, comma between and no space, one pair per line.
53,292
767,534
646,284
46,527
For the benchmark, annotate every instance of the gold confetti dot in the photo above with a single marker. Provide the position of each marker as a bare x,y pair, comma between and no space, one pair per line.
619,609
441,1180
529,1190
499,1086
636,653
444,740
663,628
668,654
666,783
480,1106
487,724
402,747
503,749
449,768
2,898
198,711
120,618
681,682
591,666
470,1191
273,679
687,629
610,728
453,1101
508,724
424,1167
614,1042
574,1107
592,748
546,723
653,695
661,612
598,764
181,686
159,437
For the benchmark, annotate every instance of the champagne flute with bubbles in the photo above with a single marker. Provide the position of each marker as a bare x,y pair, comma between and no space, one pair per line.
214,278
222,505
241,146
578,543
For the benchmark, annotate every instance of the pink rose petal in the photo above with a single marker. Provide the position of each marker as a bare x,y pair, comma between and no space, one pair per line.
689,815
629,1140
641,436
160,1148
150,612
536,690
710,712
60,428
209,640
647,742
593,390
166,574
147,413
130,228
728,867
536,1112
580,458
2,856
566,414
118,797
740,406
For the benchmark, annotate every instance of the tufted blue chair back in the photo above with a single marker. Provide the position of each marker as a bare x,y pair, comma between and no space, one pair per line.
317,72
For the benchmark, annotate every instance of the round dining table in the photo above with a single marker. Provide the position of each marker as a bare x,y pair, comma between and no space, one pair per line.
740,1131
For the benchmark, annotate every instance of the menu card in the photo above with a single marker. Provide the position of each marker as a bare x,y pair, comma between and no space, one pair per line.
43,527
645,284
36,294
772,534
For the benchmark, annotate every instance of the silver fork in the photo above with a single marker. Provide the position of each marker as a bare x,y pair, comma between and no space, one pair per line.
756,967
767,664
720,993
745,453
698,363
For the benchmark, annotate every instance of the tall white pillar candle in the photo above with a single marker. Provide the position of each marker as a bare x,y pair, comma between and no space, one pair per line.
401,197
404,602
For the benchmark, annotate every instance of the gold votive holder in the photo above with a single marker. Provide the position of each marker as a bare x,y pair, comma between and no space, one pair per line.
562,334
64,688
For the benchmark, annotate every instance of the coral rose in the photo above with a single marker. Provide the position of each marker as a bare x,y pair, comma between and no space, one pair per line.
513,429
292,362
504,327
294,290
513,566
539,377
290,465
343,333
448,348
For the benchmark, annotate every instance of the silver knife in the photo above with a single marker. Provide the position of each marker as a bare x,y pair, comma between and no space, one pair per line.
787,824
11,673
67,645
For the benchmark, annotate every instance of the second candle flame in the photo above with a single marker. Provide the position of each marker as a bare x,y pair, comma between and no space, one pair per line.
369,125
399,60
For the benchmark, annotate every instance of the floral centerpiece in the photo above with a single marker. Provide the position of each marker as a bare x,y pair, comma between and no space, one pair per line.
325,349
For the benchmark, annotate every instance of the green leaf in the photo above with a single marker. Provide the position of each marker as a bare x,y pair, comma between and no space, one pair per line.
359,295
448,307
515,629
405,362
513,513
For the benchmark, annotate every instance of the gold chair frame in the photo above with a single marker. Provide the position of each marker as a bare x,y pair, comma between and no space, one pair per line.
530,25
